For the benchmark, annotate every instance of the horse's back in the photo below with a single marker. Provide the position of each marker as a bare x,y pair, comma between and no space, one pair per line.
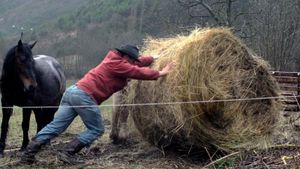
48,61
50,78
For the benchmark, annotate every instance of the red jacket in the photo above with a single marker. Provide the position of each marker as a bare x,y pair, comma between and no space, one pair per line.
112,74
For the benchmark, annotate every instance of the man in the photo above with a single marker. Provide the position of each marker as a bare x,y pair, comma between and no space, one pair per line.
83,98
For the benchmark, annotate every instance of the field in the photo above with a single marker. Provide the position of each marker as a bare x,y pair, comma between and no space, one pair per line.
137,153
102,154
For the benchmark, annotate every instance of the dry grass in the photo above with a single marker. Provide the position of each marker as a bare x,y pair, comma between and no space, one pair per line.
211,64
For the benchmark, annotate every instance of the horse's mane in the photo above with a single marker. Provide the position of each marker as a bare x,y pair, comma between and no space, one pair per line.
9,57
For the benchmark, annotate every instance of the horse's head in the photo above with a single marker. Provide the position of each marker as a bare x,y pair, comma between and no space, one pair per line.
24,65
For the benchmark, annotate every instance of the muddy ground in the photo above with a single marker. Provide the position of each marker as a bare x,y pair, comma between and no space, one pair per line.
137,153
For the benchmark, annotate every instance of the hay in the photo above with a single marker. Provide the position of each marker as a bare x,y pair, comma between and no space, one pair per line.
211,64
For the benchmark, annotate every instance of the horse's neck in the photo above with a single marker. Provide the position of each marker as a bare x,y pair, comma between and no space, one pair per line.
8,72
9,75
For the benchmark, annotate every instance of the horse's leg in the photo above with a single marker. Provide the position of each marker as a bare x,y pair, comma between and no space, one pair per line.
123,117
43,117
25,127
5,124
114,133
48,115
123,125
38,118
119,132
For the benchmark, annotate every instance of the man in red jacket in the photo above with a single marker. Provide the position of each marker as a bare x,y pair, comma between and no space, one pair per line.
83,98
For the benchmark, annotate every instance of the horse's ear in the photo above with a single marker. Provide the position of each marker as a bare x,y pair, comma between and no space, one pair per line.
32,45
21,36
20,44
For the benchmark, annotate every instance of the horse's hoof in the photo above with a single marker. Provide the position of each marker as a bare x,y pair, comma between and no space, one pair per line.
2,153
115,140
22,149
119,141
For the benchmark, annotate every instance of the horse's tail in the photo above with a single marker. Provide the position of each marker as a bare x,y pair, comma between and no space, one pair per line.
62,77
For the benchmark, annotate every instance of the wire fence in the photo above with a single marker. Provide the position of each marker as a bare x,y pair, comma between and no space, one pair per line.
166,103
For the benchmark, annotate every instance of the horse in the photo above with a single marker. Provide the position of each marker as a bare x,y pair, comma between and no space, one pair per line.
35,83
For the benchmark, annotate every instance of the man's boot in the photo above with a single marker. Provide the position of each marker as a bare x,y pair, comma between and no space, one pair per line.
68,154
28,156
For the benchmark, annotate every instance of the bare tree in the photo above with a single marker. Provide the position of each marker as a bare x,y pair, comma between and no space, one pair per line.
271,27
229,13
278,32
141,16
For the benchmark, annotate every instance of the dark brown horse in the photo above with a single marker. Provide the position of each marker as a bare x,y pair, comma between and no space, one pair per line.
28,81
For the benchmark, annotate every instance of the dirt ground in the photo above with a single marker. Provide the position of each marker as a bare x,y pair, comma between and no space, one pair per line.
137,153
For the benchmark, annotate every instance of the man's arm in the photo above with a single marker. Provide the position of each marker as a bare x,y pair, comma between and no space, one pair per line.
128,70
144,61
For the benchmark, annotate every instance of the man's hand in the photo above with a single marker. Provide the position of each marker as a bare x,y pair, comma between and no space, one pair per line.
166,70
155,57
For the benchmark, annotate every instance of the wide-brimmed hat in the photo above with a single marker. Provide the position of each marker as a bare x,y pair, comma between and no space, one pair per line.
129,50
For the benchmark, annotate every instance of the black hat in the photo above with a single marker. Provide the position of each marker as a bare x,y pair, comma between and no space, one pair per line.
130,50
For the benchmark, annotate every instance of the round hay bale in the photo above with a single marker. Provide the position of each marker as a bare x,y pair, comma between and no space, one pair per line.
214,66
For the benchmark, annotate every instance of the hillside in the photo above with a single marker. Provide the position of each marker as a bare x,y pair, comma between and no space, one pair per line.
20,15
99,25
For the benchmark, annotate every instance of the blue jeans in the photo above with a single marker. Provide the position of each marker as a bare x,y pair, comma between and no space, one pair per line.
90,115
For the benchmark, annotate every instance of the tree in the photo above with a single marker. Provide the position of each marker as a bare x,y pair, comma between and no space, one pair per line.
271,27
229,13
278,28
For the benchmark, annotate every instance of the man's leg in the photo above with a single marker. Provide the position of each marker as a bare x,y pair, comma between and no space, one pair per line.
91,117
61,121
